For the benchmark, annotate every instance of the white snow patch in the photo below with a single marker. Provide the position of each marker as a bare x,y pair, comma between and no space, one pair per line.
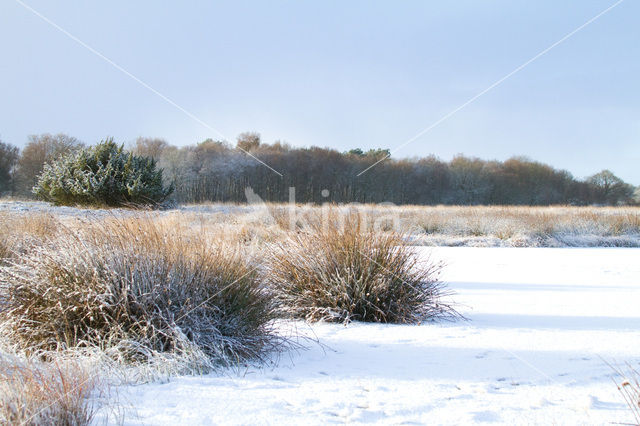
543,323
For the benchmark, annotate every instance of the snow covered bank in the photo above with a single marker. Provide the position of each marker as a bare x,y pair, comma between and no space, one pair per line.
543,324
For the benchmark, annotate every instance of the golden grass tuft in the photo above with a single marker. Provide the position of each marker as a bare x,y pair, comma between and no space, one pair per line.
342,270
136,288
19,233
33,393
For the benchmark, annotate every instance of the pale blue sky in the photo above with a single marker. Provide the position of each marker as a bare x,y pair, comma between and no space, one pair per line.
341,74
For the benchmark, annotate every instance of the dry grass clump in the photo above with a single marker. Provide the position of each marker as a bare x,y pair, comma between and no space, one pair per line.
517,225
629,388
551,226
346,271
33,393
625,224
18,233
135,288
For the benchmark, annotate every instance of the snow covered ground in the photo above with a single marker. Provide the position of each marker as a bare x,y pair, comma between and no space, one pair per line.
543,323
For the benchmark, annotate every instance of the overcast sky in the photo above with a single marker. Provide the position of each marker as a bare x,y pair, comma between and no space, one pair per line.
340,74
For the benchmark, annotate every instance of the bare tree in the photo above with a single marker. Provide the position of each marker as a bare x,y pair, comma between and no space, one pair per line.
470,182
150,147
248,141
609,188
9,155
636,195
41,149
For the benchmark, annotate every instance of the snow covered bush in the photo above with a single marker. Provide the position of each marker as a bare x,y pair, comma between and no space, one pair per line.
345,272
103,175
137,289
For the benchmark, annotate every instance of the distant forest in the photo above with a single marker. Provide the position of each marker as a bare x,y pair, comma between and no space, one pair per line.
217,171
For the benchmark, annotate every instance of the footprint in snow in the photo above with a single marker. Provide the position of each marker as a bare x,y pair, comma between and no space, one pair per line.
486,416
544,402
582,358
464,396
367,416
595,403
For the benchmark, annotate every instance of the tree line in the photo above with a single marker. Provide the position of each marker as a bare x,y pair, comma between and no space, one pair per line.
217,171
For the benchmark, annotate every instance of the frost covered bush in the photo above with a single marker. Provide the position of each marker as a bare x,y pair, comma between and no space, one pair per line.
344,272
137,289
104,175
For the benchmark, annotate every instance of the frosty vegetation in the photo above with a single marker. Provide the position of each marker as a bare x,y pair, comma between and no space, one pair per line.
102,175
341,271
161,293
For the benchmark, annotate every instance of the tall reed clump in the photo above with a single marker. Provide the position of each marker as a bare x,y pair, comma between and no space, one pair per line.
33,393
137,289
342,272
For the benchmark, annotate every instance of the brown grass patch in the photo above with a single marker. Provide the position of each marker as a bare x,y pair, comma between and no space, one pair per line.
33,393
19,233
342,270
135,288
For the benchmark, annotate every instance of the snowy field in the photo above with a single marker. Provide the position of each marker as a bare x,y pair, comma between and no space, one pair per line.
543,324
